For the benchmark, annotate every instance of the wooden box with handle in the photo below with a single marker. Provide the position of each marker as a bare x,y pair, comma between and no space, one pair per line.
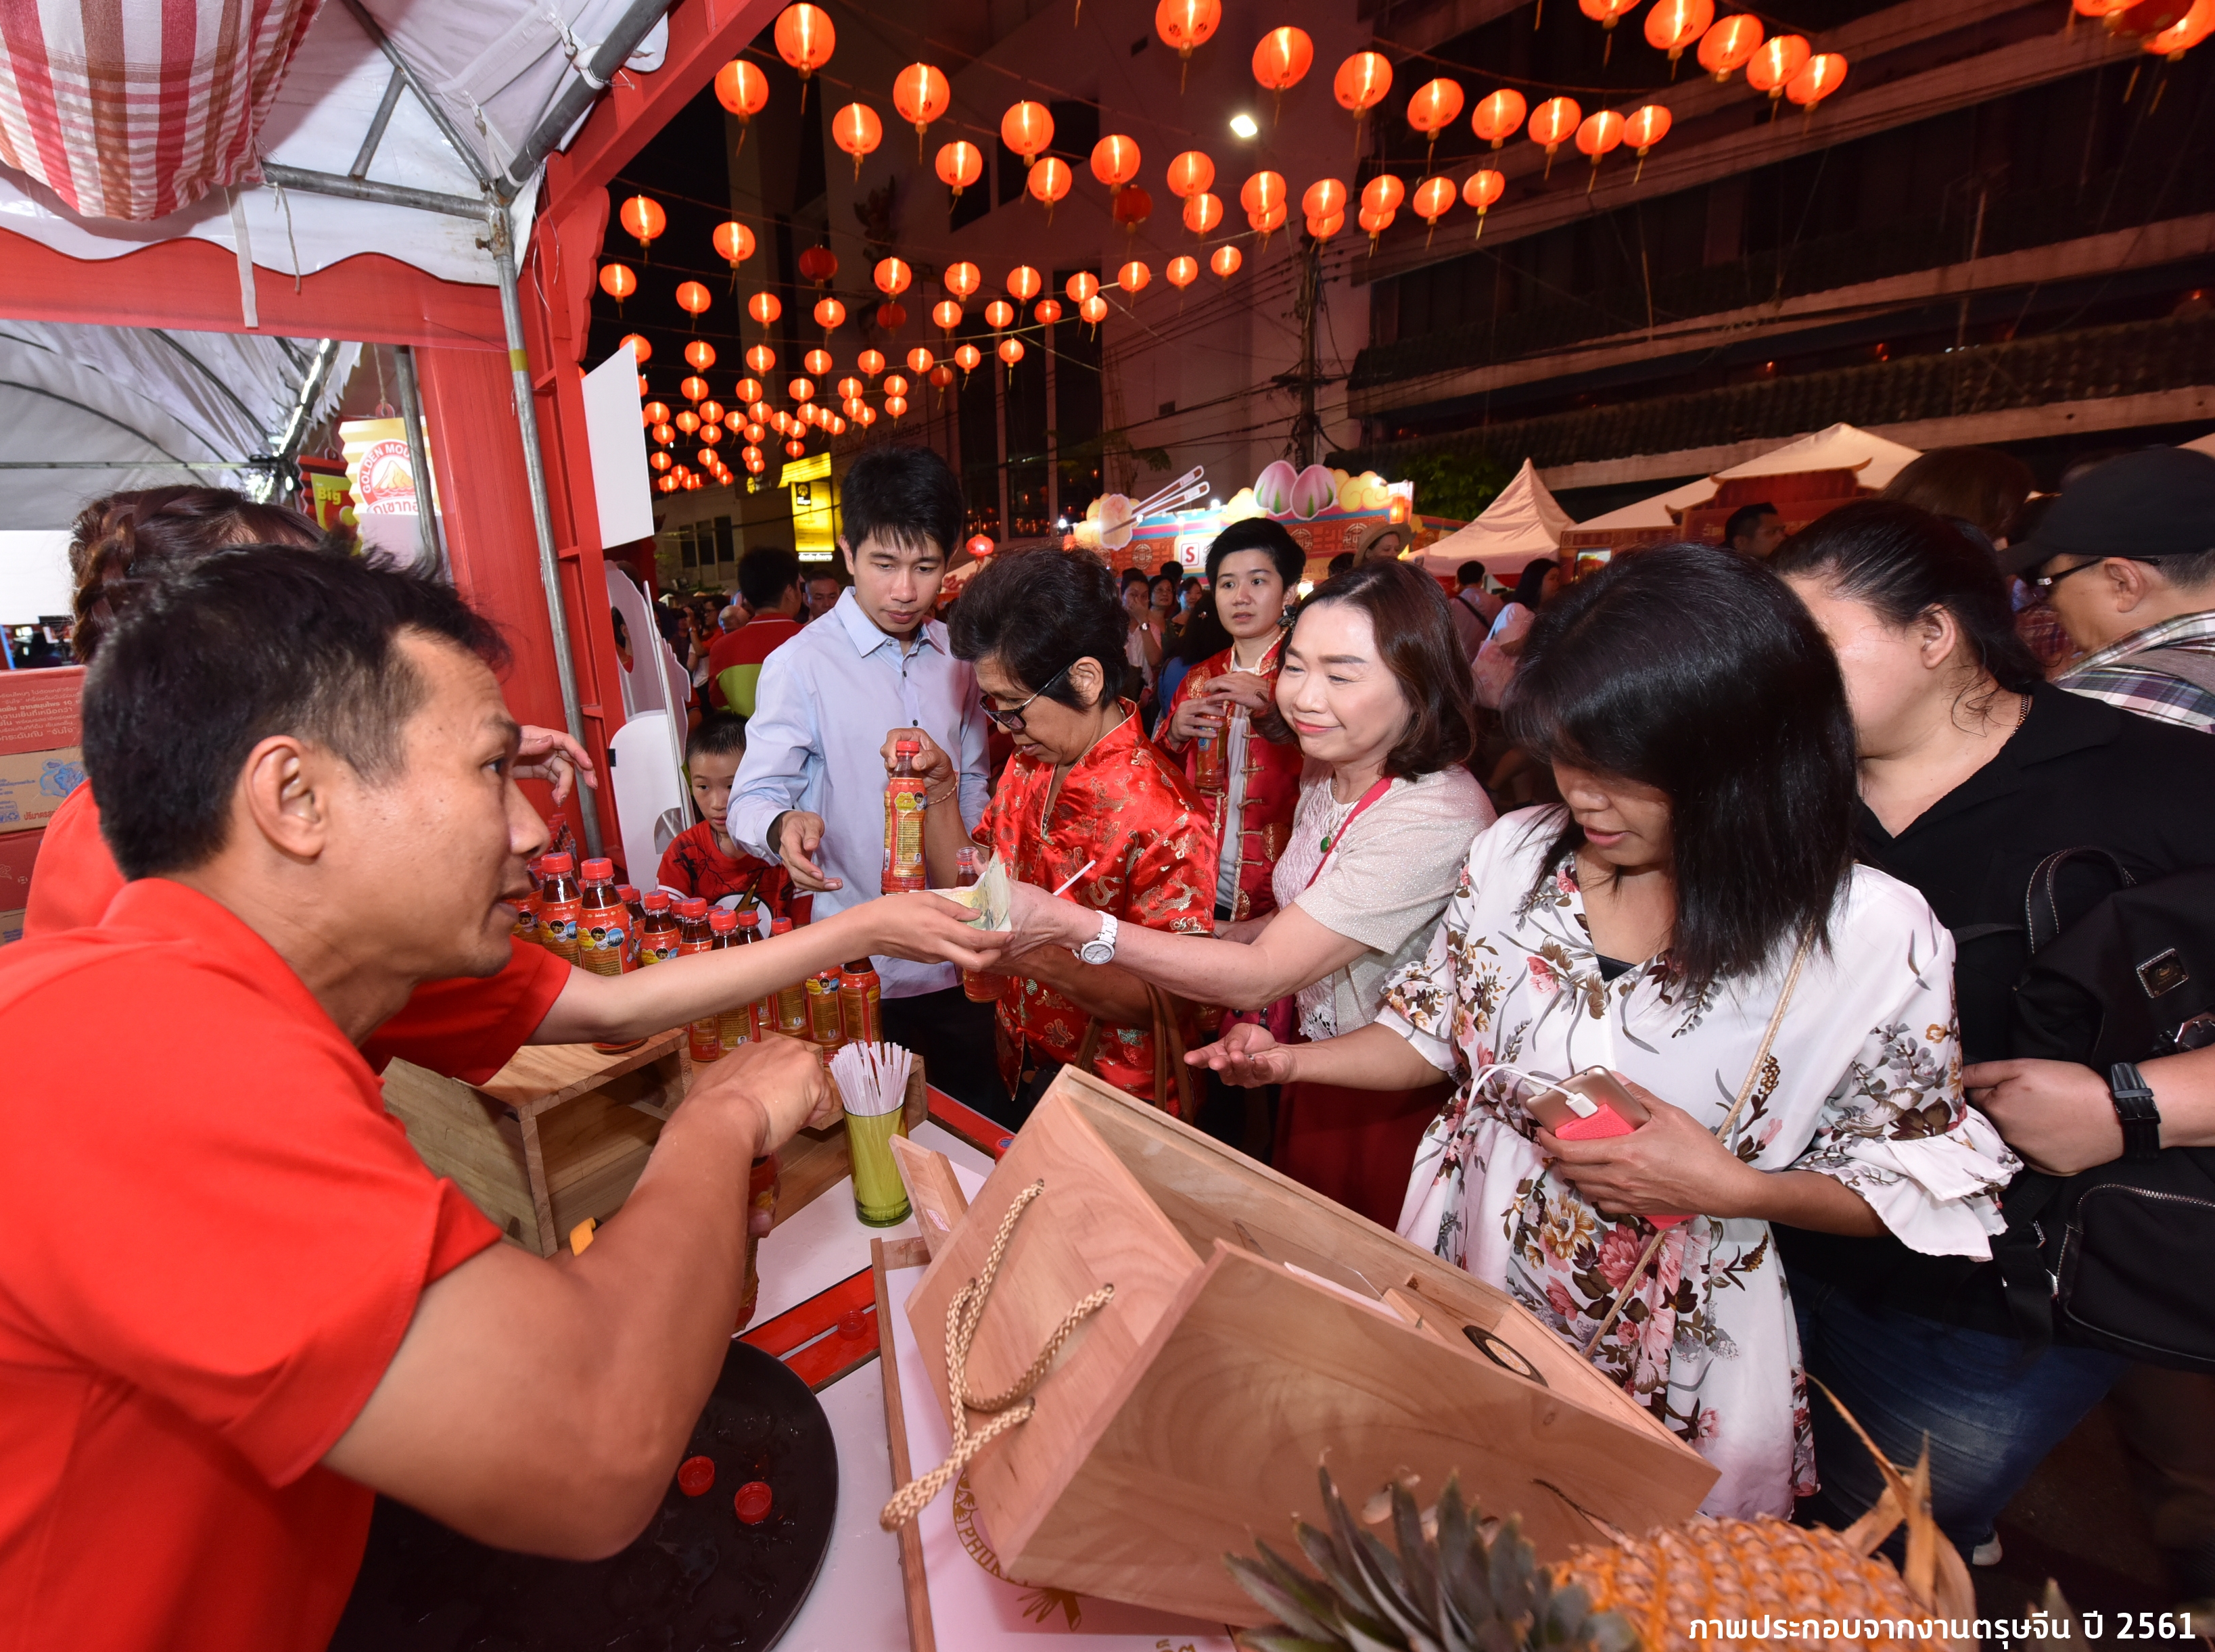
1254,1330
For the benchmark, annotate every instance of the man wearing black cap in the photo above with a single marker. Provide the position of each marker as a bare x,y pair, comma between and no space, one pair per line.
2127,559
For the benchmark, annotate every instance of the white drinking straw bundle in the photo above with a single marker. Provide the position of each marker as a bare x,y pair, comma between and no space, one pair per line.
872,1079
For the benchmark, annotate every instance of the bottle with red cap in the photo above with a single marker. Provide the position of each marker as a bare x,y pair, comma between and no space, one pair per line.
603,921
559,905
904,801
762,1010
735,1026
978,986
792,1000
659,934
706,1032
629,895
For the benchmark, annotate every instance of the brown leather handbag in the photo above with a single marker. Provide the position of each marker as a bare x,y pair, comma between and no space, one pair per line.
1171,1076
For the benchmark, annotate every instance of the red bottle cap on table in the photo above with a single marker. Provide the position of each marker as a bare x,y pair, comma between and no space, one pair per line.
753,1503
657,902
722,922
696,1475
626,893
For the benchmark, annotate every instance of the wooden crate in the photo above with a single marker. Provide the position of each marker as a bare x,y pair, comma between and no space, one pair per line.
559,1134
1257,1330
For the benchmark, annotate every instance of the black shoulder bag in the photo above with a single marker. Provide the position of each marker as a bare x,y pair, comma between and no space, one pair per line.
2124,1246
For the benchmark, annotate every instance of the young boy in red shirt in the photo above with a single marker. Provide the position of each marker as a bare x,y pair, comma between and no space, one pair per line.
703,861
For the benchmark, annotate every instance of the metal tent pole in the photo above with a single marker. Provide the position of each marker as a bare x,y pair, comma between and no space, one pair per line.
434,557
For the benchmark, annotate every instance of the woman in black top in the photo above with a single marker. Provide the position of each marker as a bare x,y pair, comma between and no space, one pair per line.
1972,770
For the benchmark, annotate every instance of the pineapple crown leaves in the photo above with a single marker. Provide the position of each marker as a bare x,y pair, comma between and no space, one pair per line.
1453,1591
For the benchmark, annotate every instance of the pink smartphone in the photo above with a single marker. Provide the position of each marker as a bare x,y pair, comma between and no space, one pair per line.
1590,1106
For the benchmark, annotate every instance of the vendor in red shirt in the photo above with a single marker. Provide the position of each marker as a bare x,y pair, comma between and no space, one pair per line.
769,578
1086,801
704,860
234,1303
466,1028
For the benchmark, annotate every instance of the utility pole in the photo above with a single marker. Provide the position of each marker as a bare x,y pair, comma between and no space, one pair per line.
1307,430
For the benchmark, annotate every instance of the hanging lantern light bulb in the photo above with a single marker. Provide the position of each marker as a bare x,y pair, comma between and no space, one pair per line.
804,39
1187,25
962,279
851,406
1134,276
818,265
1360,85
1375,222
1646,127
1047,311
1049,180
1094,310
1024,284
741,87
1202,212
761,358
618,281
1324,196
1601,133
1011,351
765,307
796,447
643,216
999,314
1435,106
749,391
892,317
754,432
1281,61
665,432
1184,270
857,129
921,95
816,362
1499,116
659,461
893,277
1774,64
1324,228
1824,72
1480,190
1027,129
895,407
946,315
1191,174
1080,287
1728,45
1115,160
693,299
700,354
830,315
895,384
1380,204
920,361
640,351
687,421
1607,13
967,356
654,413
1132,208
960,163
734,243
1262,195
801,390
1552,124
1225,261
871,362
1672,25
1266,223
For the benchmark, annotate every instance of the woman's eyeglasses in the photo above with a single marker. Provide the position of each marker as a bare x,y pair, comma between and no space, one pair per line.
1013,720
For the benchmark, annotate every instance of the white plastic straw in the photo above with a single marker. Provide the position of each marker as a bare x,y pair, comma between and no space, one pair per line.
872,1079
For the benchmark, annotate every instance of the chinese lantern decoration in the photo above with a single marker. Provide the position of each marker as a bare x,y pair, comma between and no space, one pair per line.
1728,43
999,314
1607,13
920,361
617,281
893,277
762,358
871,362
1225,261
1283,58
851,406
765,307
1436,106
1646,127
1025,284
1324,228
946,315
735,244
654,413
1432,199
1182,272
830,315
895,405
816,362
892,317
749,391
694,389
744,90
640,351
1360,85
668,484
857,129
659,461
967,356
665,432
1094,309
1011,351
1774,64
645,219
1380,204
960,163
1047,311
895,384
1552,124
804,39
1048,182
1499,116
1132,208
754,432
962,279
1672,25
2171,42
1324,196
1026,129
641,381
1187,25
1191,174
1202,212
693,299
1115,160
818,265
1262,195
801,390
796,447
921,95
1080,287
688,421
1601,133
1266,224
752,454
1480,190
1133,277
700,354
2110,11
1824,72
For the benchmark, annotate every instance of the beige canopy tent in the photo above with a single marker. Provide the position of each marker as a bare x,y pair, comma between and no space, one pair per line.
1523,524
1875,459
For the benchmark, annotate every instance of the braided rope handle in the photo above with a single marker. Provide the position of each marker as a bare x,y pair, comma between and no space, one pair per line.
1016,1405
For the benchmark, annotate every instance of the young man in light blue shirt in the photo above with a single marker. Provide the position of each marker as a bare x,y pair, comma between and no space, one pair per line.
811,789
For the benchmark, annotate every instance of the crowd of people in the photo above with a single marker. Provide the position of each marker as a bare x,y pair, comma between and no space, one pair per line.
1391,886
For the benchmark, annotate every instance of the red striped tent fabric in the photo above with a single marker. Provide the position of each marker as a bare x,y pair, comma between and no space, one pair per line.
134,108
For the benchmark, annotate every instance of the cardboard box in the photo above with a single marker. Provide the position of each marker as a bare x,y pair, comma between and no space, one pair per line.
19,853
41,762
33,783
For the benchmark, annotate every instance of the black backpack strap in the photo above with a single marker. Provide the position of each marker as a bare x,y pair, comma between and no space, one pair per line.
2041,908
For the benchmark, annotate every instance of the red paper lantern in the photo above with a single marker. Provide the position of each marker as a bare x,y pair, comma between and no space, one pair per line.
1132,207
1225,261
1282,58
1115,160
1672,25
1182,272
693,298
1729,43
921,95
857,129
1382,193
1776,61
1027,129
895,384
642,380
688,421
694,389
920,361
1607,13
1432,199
816,362
644,218
962,279
895,405
654,413
765,307
1824,72
1552,123
762,358
617,281
818,265
735,243
1480,190
999,314
796,447
960,163
748,391
1324,196
753,431
967,356
711,412
701,354
941,375
945,314
1094,309
1188,24
659,461
851,406
805,38
1376,220
830,313
640,351
1361,82
1263,192
892,317
1024,283
1265,223
665,432
1080,287
1499,116
1049,181
1646,127
668,484
1134,276
1011,351
1202,212
1047,311
742,89
1191,174
801,390
893,277
1435,106
871,362
1324,228
1601,133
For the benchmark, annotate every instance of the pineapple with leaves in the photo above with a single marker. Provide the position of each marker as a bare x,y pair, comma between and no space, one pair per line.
1450,1589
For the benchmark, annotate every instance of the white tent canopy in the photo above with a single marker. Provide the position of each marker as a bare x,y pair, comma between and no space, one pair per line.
1875,459
1523,524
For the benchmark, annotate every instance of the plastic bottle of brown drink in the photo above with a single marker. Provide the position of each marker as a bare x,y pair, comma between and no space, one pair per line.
629,897
708,1031
734,1026
792,1000
657,935
603,921
526,911
560,903
978,985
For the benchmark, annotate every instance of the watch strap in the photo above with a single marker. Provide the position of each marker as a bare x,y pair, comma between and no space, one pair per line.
2135,1109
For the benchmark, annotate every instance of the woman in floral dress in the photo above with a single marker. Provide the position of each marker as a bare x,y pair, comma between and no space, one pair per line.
1694,722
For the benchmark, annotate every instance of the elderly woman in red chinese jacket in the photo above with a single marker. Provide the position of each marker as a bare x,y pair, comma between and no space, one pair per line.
1087,801
1252,782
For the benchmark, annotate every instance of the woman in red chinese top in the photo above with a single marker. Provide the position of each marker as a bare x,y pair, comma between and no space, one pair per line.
1087,801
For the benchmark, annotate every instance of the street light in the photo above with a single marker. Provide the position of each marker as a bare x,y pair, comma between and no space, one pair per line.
1244,126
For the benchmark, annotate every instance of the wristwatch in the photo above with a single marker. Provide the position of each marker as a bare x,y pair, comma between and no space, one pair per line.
1100,949
2134,1106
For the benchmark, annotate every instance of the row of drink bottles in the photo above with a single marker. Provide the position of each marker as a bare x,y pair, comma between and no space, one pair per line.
610,928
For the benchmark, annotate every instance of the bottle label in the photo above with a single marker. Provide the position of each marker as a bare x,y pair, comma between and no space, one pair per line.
824,1023
904,817
792,1011
860,1012
707,1039
657,946
557,928
735,1027
603,940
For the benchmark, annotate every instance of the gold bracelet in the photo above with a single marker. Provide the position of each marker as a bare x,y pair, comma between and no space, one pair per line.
929,802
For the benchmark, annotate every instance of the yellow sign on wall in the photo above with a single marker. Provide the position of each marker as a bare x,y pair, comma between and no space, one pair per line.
814,504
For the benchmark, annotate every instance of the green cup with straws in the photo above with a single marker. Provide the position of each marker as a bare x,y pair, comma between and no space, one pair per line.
872,1081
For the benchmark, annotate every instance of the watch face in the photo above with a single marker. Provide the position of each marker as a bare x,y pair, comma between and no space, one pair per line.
1095,951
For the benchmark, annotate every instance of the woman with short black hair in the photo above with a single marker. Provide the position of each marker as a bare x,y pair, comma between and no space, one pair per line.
1690,920
1087,802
